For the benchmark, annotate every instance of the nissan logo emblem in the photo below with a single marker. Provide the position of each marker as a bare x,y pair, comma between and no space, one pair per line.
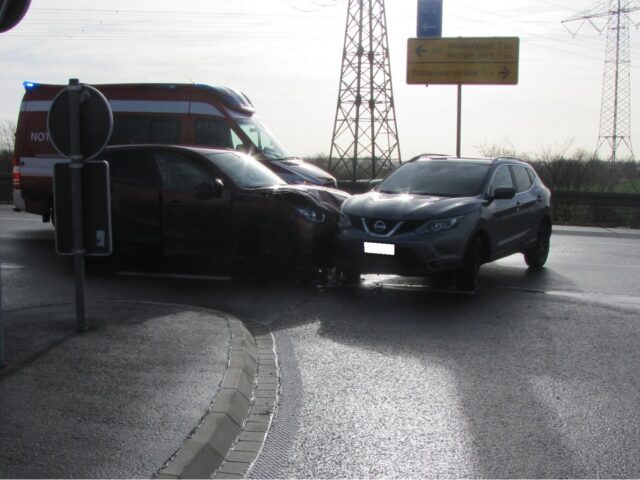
379,226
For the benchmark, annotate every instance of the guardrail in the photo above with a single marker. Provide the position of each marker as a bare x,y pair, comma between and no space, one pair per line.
597,198
6,188
597,209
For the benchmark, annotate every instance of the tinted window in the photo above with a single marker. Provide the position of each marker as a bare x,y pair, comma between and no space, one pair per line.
523,181
179,172
129,129
502,178
135,166
440,178
213,132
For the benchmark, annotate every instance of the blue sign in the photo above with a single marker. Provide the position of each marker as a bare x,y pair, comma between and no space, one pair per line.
429,18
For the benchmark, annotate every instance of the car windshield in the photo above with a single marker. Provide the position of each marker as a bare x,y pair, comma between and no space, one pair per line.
245,171
438,178
266,143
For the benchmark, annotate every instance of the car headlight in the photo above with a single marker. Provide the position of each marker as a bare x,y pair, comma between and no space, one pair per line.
440,225
344,221
312,215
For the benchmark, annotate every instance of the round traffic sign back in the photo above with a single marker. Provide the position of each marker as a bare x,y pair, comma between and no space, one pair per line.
95,122
11,12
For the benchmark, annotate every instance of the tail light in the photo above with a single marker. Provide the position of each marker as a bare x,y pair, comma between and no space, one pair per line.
16,175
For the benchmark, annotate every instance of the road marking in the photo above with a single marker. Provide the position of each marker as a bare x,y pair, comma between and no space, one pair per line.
178,276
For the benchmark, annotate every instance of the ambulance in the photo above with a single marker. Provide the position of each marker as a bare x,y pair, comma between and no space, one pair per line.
174,114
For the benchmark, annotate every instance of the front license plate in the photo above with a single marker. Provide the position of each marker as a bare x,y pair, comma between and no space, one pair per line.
379,248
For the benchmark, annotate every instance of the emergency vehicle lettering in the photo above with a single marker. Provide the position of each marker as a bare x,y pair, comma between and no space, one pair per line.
39,136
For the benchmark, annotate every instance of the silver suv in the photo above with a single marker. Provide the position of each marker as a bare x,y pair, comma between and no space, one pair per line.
438,214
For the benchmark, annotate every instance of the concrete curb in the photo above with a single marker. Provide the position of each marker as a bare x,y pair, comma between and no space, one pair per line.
231,435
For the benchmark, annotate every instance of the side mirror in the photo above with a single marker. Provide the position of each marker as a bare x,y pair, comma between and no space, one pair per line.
207,190
218,186
504,193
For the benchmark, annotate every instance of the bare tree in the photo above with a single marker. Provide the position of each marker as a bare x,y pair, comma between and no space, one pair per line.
7,141
7,134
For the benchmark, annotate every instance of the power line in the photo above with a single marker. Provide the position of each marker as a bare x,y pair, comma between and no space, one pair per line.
615,109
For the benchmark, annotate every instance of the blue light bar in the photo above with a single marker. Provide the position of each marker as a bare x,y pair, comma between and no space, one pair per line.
30,85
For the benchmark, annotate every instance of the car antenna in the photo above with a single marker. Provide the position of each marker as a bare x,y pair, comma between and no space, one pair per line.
189,78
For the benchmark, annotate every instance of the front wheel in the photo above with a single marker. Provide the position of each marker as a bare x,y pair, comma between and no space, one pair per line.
467,276
536,257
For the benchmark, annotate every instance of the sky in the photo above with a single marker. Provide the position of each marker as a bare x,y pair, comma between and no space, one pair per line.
286,56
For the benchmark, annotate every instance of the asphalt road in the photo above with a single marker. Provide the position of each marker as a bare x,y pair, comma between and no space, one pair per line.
534,376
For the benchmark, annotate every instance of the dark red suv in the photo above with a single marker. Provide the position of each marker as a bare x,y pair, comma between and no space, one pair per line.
184,200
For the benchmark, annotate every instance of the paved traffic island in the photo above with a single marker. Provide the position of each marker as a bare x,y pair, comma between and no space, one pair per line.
129,398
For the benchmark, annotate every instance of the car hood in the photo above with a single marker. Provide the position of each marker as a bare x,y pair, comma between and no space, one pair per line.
330,199
305,170
408,207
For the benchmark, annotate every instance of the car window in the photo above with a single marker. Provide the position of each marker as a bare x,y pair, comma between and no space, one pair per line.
502,178
532,175
214,132
180,172
438,178
523,180
136,166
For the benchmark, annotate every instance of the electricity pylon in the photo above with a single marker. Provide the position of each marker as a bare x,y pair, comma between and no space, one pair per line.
615,110
365,128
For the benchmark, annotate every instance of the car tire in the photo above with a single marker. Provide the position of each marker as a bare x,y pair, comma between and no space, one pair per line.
467,276
536,257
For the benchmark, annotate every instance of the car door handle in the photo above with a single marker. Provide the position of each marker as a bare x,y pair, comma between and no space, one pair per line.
540,198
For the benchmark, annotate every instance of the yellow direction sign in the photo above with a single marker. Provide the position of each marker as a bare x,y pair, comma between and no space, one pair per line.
463,61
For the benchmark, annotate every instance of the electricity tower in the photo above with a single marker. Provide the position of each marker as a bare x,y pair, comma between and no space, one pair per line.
365,129
615,110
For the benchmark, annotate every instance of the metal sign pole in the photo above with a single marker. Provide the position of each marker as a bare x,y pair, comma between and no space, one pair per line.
2,362
459,129
76,201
